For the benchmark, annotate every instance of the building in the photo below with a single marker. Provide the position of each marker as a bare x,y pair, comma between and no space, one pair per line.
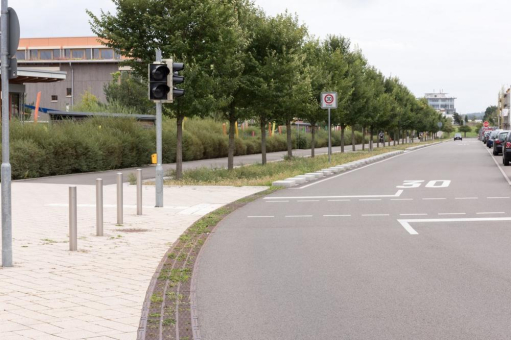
503,105
442,103
26,78
89,65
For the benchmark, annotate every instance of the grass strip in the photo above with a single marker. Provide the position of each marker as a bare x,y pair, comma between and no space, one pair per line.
265,175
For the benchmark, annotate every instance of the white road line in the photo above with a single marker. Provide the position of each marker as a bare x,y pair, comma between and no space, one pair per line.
374,215
260,216
370,199
413,214
500,168
433,198
277,201
401,199
490,213
397,194
339,200
293,216
496,197
336,215
466,198
452,213
308,201
406,223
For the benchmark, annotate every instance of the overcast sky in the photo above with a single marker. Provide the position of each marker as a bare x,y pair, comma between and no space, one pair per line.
462,47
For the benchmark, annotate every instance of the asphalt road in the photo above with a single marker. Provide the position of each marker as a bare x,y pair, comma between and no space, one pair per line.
110,177
368,255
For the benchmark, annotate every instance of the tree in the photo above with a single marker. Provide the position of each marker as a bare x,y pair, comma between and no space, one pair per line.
457,118
465,129
490,115
129,91
185,30
466,118
447,127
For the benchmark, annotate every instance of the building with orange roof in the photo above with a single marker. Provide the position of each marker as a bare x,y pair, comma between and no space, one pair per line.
89,65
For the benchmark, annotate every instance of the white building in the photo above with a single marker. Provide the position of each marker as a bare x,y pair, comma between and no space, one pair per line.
442,103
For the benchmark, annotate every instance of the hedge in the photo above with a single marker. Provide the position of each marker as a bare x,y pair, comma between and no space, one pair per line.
112,143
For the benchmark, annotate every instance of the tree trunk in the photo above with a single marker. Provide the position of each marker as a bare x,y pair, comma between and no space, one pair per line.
394,139
179,148
371,139
289,140
388,139
352,138
263,142
313,139
232,129
363,138
343,127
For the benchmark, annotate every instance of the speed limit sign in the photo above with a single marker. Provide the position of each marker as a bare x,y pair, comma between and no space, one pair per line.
329,100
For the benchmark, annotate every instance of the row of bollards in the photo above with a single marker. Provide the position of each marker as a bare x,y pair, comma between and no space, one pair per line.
73,216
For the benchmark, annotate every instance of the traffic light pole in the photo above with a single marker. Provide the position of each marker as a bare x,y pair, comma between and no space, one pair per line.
6,166
159,167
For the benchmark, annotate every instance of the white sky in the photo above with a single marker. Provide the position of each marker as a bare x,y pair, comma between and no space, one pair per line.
462,47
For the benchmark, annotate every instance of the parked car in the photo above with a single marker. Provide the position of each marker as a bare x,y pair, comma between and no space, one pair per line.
494,134
457,136
506,150
486,135
497,143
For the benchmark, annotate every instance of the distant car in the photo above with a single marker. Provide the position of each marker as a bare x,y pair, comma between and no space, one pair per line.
489,141
501,139
486,135
458,136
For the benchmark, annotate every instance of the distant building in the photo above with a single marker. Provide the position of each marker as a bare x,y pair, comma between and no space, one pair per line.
442,103
503,107
89,65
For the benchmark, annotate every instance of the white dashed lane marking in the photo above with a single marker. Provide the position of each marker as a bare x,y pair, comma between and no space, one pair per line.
496,197
336,215
490,213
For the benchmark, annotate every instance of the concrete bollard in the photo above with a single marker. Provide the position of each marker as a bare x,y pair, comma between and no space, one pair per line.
139,191
73,235
99,207
119,198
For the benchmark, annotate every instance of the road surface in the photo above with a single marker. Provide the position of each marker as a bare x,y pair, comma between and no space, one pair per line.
414,247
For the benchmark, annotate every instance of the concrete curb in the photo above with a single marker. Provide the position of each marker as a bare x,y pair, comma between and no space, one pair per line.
293,181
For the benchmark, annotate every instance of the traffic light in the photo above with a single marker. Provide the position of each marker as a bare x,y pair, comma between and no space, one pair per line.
159,89
176,79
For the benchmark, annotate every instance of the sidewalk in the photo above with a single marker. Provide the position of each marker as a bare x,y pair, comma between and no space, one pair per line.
98,291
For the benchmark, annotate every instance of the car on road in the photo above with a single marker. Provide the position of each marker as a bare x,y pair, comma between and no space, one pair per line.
458,136
497,143
494,134
486,135
506,150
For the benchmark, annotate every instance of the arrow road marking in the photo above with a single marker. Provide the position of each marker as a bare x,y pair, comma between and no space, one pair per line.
397,194
406,223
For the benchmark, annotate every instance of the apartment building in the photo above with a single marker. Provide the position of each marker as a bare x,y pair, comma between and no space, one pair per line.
88,63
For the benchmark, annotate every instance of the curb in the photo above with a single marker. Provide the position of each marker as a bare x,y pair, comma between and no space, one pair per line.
309,177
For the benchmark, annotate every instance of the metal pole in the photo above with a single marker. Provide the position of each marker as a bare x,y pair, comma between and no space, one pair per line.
159,167
6,165
73,243
99,207
119,198
139,191
329,138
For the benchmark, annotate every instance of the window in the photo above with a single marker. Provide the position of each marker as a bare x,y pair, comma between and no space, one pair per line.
45,55
54,98
67,53
107,54
96,53
34,55
56,54
88,53
78,54
69,92
117,55
20,55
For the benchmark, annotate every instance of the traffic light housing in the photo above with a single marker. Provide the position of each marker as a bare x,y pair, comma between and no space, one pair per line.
159,89
162,78
176,79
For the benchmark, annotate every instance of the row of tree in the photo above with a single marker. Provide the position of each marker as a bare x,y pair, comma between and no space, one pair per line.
242,64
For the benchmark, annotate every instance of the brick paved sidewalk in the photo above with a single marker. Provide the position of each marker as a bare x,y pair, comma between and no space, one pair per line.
97,292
